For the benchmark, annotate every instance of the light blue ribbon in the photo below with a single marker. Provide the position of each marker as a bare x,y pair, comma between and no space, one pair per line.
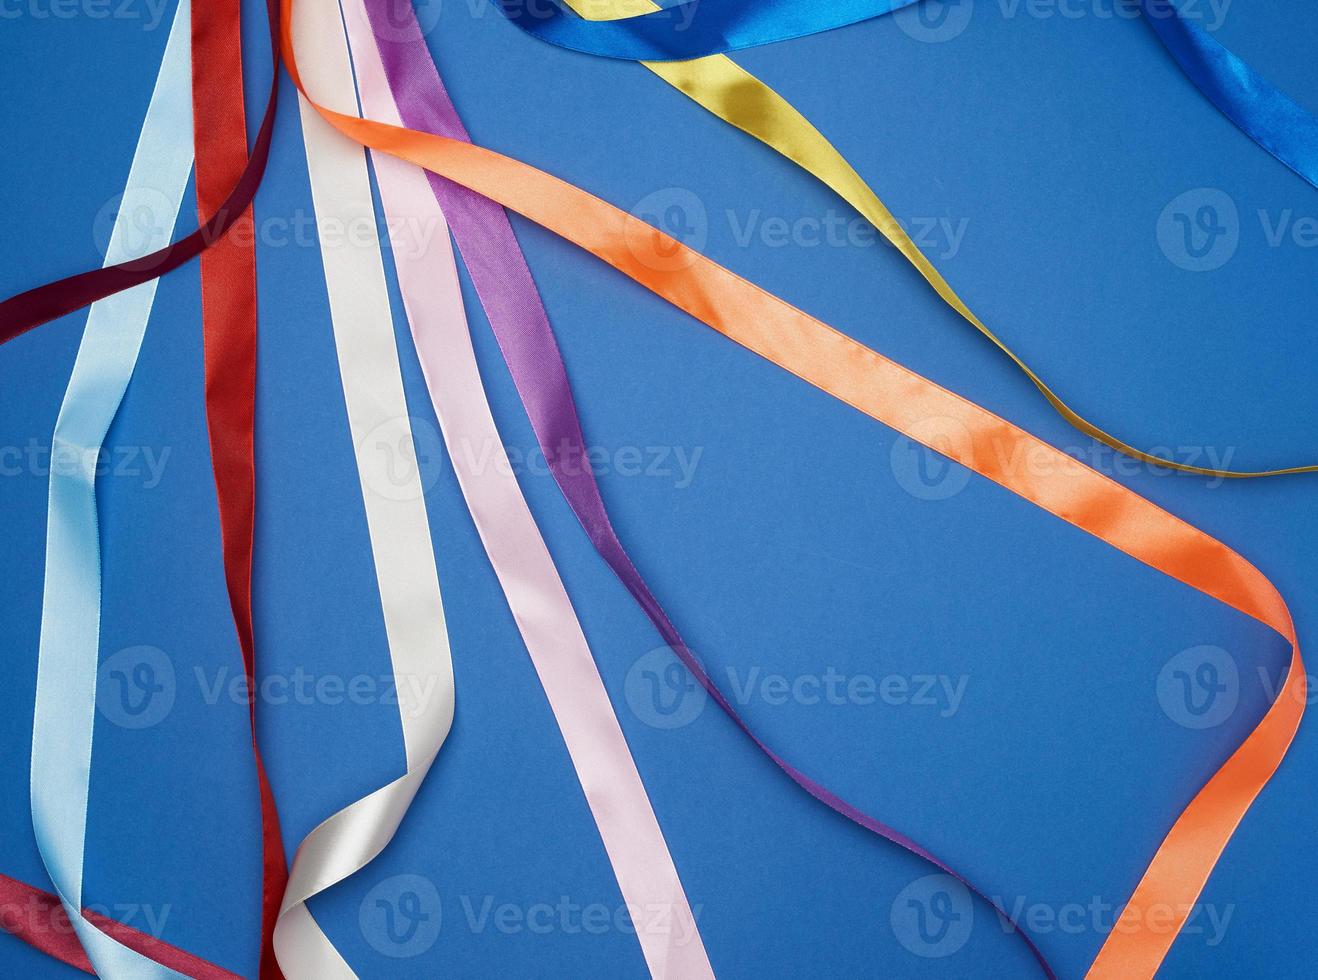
64,717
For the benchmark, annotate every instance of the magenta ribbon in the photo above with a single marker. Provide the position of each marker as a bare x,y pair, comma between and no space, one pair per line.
521,327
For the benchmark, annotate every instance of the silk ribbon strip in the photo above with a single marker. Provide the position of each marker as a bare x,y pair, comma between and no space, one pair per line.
691,29
906,402
633,839
65,711
398,529
739,98
38,918
29,309
637,30
228,316
1265,113
521,327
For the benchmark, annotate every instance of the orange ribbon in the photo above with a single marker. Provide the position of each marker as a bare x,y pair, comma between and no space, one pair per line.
964,432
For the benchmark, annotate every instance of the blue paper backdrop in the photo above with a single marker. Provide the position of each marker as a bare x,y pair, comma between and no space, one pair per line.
1043,151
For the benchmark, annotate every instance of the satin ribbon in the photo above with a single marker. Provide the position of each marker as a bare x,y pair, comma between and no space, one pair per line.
38,918
228,316
638,30
647,878
34,307
64,715
691,29
1265,113
397,526
521,327
907,402
737,97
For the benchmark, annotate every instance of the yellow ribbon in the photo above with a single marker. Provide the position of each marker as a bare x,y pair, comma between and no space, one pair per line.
739,98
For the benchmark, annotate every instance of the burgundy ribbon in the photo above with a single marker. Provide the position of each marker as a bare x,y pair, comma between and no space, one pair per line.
39,919
521,327
29,309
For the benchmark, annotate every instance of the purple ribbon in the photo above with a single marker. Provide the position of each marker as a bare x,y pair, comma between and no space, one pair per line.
521,327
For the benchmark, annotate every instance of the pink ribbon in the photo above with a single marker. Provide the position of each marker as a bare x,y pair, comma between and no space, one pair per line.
428,281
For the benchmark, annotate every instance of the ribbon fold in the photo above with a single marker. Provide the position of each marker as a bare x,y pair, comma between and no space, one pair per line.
727,90
823,357
397,525
629,829
521,327
905,401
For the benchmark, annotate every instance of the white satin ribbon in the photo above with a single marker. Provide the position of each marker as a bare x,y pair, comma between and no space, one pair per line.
396,522
647,878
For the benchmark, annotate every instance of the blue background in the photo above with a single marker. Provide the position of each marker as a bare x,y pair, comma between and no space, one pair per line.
1059,140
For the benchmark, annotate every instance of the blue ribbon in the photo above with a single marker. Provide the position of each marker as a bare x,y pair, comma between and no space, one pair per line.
1265,113
693,28
64,716
696,29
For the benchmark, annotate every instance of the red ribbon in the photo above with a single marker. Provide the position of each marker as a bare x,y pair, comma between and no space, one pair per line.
228,313
39,919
